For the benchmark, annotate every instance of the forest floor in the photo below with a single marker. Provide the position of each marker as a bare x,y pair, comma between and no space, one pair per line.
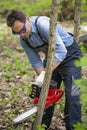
16,77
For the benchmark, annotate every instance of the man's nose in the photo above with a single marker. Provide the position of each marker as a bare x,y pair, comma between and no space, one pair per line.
22,34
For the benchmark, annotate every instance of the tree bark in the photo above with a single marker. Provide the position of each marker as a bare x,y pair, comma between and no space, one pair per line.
52,40
78,5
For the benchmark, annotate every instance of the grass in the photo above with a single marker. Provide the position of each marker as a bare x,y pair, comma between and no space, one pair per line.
15,72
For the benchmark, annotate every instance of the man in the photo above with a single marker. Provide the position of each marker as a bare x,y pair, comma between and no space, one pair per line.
34,37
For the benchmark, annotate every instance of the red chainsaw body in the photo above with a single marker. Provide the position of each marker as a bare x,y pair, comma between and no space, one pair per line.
54,95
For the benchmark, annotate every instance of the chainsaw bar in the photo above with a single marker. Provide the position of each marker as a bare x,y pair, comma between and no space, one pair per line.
54,95
25,115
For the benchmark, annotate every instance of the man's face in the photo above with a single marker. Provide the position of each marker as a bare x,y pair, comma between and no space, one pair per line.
22,29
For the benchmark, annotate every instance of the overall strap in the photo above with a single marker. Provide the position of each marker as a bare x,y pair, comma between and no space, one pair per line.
43,47
37,26
39,31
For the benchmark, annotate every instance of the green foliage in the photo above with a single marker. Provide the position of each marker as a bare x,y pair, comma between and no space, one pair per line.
79,126
40,7
83,48
7,74
83,83
42,127
8,52
26,6
37,8
83,86
82,62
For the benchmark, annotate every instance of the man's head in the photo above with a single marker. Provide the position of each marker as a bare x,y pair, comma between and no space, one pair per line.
19,23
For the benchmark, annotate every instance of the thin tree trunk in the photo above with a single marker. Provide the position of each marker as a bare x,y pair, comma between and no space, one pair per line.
45,88
78,4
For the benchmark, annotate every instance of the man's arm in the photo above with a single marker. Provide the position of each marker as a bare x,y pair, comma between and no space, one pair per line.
56,64
33,57
39,70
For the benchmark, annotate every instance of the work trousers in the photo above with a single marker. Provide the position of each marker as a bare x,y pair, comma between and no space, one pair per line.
68,73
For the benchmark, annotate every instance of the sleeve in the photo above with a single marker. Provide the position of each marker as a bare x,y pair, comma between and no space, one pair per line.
32,55
44,28
60,49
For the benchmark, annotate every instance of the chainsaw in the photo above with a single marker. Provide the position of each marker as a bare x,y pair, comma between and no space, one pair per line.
54,95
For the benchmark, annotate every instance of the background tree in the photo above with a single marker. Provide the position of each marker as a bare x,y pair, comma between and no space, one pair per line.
77,15
51,49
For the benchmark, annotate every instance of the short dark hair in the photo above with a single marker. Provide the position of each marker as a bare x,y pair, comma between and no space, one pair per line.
15,15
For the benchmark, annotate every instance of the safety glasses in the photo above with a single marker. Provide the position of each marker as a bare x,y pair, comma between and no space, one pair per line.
21,31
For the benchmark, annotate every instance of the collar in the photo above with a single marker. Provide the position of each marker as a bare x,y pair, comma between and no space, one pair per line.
33,29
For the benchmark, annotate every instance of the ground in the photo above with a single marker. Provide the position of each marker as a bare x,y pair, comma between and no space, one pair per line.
16,77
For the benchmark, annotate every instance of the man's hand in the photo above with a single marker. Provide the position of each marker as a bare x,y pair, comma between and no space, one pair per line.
36,86
39,70
56,64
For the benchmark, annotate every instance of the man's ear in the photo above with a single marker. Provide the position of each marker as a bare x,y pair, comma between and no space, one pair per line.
28,18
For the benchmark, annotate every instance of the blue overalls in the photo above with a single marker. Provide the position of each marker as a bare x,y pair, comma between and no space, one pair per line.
68,72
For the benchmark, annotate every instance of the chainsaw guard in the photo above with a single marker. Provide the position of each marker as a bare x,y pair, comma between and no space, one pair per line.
54,95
